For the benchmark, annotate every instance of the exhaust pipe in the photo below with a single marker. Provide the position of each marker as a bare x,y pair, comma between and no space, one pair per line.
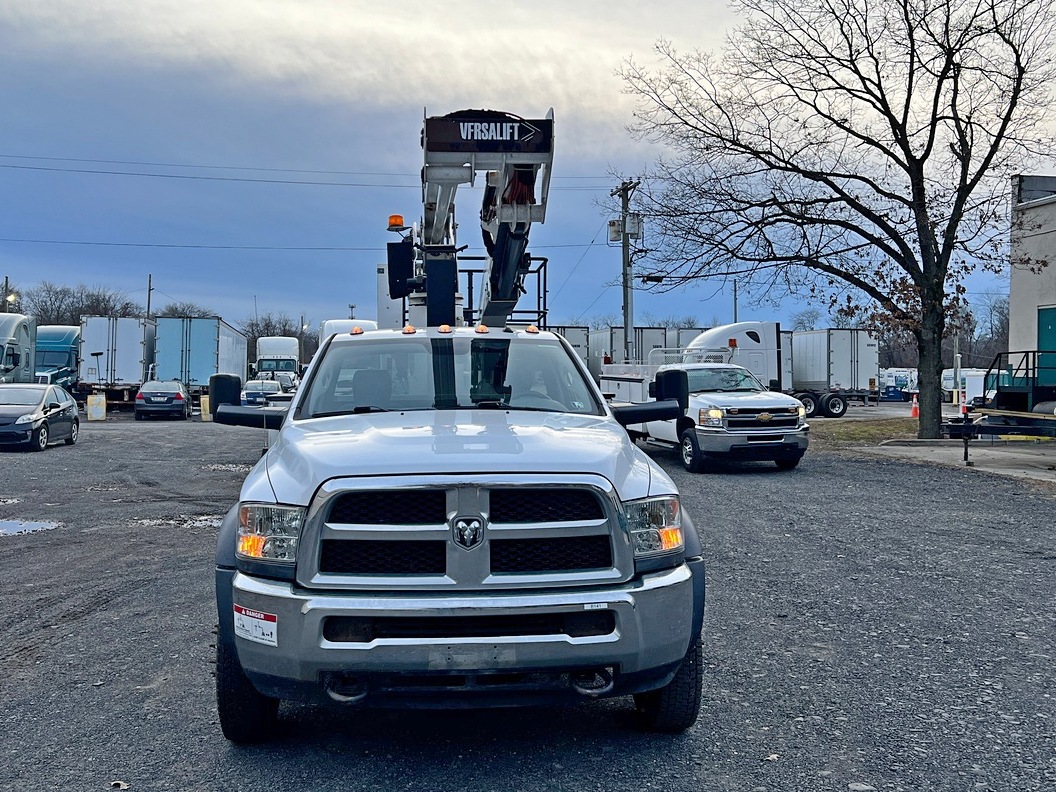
593,683
345,690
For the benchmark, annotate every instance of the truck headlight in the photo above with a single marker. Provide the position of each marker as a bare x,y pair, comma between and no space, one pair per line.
710,417
655,525
802,415
268,532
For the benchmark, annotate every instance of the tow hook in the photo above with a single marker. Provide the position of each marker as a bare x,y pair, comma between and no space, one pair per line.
592,683
346,690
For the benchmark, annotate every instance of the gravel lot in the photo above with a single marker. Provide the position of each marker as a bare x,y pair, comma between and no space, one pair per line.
871,623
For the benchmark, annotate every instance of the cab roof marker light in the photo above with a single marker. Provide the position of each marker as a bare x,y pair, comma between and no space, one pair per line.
482,328
444,328
531,329
357,330
409,330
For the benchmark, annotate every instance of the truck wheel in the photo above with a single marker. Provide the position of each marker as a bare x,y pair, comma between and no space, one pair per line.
787,463
39,440
692,459
834,405
810,404
246,715
674,708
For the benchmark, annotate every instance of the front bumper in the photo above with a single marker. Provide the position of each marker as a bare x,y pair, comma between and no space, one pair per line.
654,617
753,445
16,434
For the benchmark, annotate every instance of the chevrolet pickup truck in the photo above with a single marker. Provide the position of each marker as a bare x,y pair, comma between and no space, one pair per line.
455,517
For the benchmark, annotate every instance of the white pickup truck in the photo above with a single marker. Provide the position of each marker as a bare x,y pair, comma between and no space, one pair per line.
730,415
456,517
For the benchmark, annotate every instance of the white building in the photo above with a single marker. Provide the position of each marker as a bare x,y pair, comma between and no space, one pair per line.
1032,294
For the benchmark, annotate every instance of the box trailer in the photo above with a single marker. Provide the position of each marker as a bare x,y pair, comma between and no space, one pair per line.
192,349
116,353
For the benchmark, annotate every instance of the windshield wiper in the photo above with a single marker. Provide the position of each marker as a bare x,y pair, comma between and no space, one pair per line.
363,408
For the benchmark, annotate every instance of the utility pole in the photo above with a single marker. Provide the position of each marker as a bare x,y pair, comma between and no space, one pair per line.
149,290
4,302
624,191
735,301
351,310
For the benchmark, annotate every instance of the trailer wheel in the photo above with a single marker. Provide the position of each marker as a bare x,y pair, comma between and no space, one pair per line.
246,715
692,458
834,405
810,403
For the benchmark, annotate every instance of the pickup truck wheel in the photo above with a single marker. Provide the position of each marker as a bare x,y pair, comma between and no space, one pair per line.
246,715
692,459
834,406
674,708
787,463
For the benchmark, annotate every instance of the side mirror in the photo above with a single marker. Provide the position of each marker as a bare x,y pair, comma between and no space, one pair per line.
628,414
256,417
774,385
673,384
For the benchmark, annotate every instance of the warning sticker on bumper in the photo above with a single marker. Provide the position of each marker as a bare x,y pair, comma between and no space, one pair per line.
254,625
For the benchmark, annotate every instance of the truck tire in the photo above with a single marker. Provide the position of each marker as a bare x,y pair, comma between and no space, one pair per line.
787,463
246,715
810,403
689,449
834,405
674,707
38,441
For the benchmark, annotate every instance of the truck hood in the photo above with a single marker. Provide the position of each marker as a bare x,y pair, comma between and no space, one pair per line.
452,443
742,400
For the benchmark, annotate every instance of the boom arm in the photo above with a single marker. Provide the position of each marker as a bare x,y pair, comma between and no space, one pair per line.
517,155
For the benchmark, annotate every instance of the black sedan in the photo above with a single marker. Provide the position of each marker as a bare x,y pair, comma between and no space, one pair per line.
167,398
33,416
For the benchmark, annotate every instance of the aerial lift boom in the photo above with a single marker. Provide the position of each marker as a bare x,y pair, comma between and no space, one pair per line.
517,155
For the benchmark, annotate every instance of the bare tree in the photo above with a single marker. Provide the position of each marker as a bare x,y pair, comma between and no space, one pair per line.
855,151
183,308
807,319
50,303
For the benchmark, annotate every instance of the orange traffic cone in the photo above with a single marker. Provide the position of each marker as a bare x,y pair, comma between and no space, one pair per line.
914,411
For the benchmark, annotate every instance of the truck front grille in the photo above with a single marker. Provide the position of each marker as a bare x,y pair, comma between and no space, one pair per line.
382,557
532,505
385,507
774,421
415,537
512,556
356,629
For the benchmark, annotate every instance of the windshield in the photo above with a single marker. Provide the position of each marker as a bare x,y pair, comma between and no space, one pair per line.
52,358
723,379
161,386
285,364
362,374
23,397
264,386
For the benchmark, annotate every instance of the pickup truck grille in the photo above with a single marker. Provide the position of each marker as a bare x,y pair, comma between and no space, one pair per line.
774,420
400,538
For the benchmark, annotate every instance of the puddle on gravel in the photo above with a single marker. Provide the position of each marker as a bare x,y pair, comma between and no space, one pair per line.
12,527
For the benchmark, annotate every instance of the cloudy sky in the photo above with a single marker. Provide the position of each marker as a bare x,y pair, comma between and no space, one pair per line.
247,153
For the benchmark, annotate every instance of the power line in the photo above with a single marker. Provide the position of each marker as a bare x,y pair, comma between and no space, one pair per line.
199,177
338,248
